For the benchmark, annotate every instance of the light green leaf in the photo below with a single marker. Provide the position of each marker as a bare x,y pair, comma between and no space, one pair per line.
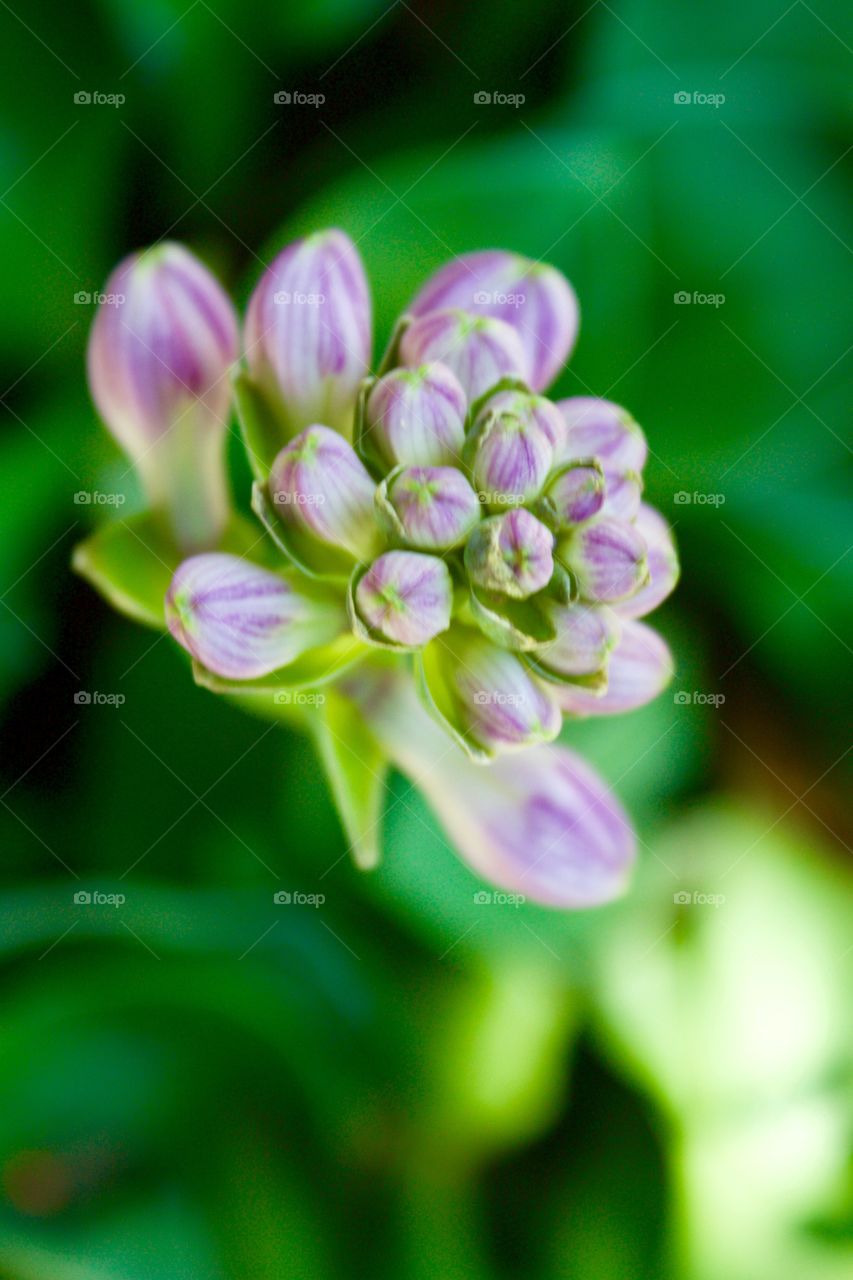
356,767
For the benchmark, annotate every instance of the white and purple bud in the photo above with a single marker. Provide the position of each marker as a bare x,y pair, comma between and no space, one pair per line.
405,598
663,565
511,554
159,359
241,621
478,349
585,639
535,299
307,338
623,492
433,508
538,410
576,493
608,558
639,668
321,487
416,416
599,429
510,459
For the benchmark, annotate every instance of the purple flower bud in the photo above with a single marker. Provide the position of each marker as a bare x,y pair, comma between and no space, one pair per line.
640,667
478,349
159,358
623,491
500,705
600,429
608,558
511,554
240,621
417,416
538,410
509,458
576,493
585,639
663,565
405,598
308,332
321,487
536,300
434,508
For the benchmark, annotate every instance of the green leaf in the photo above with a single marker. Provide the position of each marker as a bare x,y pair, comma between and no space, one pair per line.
513,624
433,668
306,553
131,563
356,767
312,669
263,434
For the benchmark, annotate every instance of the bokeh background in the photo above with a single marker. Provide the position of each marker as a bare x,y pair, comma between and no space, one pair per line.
199,1085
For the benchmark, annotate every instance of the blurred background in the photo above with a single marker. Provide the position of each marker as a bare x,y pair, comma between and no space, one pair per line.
402,1083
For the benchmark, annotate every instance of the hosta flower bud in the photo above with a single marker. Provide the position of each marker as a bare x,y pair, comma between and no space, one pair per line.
534,298
321,487
511,554
542,412
478,349
159,359
241,621
417,416
509,459
307,337
663,565
640,667
600,429
430,507
608,558
585,639
623,491
576,493
405,598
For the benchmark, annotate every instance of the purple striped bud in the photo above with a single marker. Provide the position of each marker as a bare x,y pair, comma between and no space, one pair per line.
509,459
322,488
159,359
600,429
241,621
434,508
623,491
640,667
308,332
511,554
663,565
478,349
416,416
585,639
576,493
542,412
405,598
608,558
536,300
501,705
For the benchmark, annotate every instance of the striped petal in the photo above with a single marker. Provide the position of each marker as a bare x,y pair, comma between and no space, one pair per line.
663,565
608,558
417,416
405,598
601,429
640,667
478,349
322,488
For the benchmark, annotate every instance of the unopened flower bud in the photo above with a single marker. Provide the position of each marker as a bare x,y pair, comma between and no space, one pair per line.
663,565
511,554
576,493
433,508
405,598
241,621
159,358
639,668
478,349
538,410
510,459
608,558
417,416
600,429
585,638
623,491
321,487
